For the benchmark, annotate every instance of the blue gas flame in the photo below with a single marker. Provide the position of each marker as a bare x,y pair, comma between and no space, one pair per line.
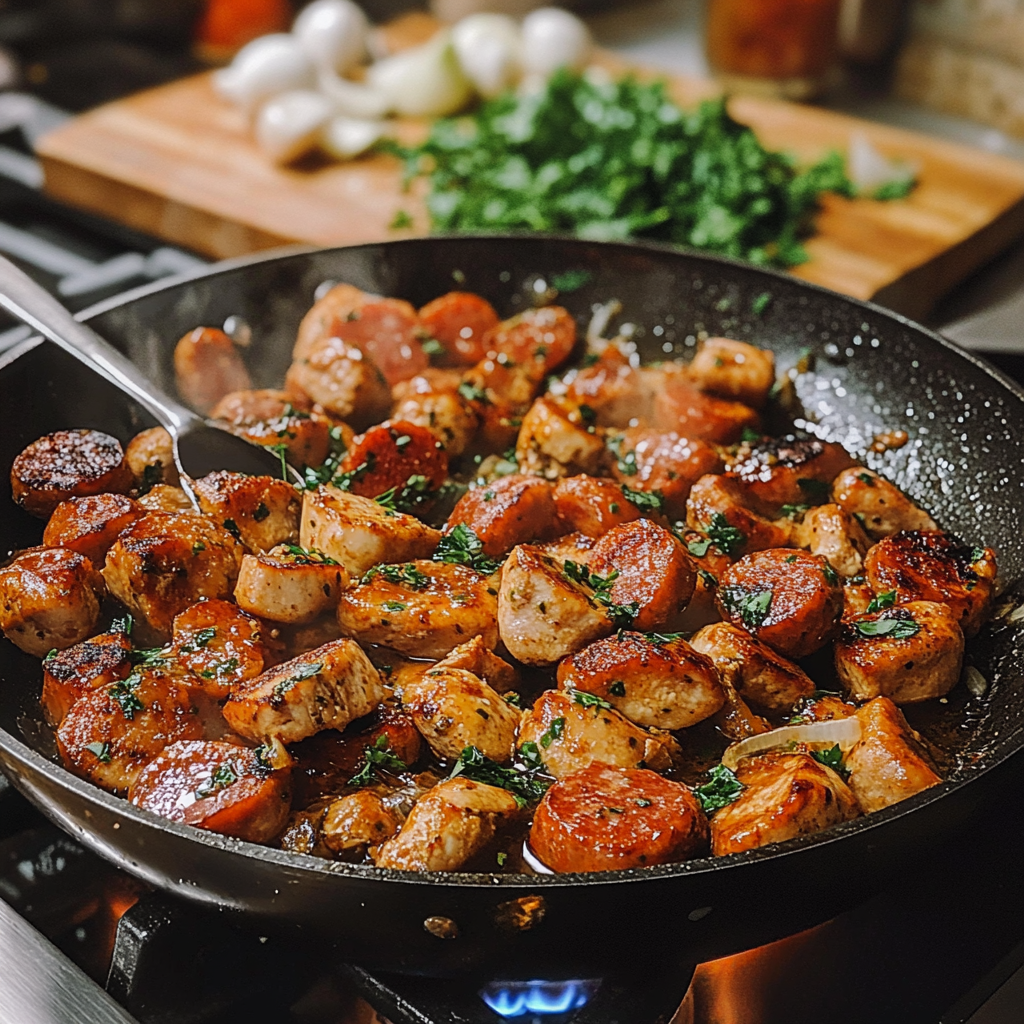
511,999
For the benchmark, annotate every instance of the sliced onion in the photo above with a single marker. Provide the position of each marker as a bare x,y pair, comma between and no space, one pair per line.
975,682
844,731
534,861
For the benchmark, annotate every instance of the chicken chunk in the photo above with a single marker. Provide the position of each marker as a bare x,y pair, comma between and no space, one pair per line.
91,524
165,498
112,732
358,822
358,533
340,377
734,369
790,600
571,731
68,464
542,338
393,456
289,584
206,367
454,709
779,472
459,322
552,444
887,764
662,461
165,562
648,568
420,608
150,457
716,508
605,819
217,786
49,599
437,405
908,654
260,511
323,689
784,796
476,657
934,566
543,615
857,597
70,673
660,682
736,720
448,826
499,392
830,531
592,506
880,506
510,511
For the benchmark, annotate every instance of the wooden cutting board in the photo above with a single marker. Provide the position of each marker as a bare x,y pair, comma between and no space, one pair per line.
179,163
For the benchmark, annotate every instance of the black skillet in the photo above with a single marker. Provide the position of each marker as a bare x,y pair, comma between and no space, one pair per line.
874,372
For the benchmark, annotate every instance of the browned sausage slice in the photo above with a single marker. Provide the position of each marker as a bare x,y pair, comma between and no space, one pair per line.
510,511
70,673
90,525
459,321
589,505
207,366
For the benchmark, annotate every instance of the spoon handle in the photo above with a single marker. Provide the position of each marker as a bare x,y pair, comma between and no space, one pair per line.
33,305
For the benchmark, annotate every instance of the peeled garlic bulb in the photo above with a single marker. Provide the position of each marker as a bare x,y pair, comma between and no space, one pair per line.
426,81
288,126
263,68
489,47
553,39
348,137
353,99
333,34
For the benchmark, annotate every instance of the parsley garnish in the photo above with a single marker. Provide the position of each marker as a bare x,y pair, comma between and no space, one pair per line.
793,511
514,699
571,280
282,454
432,347
124,694
832,758
410,496
101,750
588,700
461,546
653,501
977,554
472,393
199,639
376,757
525,786
866,478
665,638
405,575
757,307
751,606
300,674
893,627
622,615
401,219
831,576
308,556
125,625
554,731
721,789
223,776
197,547
882,601
232,527
395,606
699,548
727,538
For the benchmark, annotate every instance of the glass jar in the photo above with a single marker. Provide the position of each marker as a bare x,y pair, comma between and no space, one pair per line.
779,47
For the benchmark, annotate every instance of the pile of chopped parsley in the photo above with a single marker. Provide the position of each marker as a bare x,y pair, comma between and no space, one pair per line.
617,159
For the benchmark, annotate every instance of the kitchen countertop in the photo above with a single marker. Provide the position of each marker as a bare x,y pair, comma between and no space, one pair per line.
987,311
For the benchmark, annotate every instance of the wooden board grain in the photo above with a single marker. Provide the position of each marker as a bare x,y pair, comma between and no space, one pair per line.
179,163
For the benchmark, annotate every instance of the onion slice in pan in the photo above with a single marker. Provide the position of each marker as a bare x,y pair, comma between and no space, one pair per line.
844,731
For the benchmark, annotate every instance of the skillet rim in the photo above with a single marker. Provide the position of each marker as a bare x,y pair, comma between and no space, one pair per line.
1009,746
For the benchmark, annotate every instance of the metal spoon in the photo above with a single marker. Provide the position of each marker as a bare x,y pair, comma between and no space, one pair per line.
200,446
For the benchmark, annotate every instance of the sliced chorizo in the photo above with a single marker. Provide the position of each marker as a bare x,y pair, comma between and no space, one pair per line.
542,338
459,321
90,525
512,510
395,456
591,505
207,366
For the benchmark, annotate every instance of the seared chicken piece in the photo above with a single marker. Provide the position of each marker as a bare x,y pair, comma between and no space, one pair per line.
430,400
539,339
648,567
734,369
662,461
716,507
390,456
934,566
909,654
510,511
341,378
165,498
420,608
322,689
459,322
165,562
91,524
150,457
573,731
49,598
476,657
591,506
499,392
70,673
782,471
270,418
206,367
757,673
880,506
552,444
785,795
543,615
358,821
454,709
217,786
857,597
358,533
260,511
326,314
112,732
219,644
608,819
736,720
887,764
68,464
289,584
790,600
662,683
831,531
448,825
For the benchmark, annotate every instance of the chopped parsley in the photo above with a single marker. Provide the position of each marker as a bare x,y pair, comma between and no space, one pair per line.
665,638
377,756
232,527
721,789
198,640
649,501
299,675
882,601
325,473
221,668
401,219
642,801
831,576
461,546
977,554
588,700
395,606
413,494
308,556
100,750
793,511
554,731
526,786
752,607
832,758
622,615
699,548
866,478
432,347
727,538
124,694
472,392
223,776
514,699
197,547
282,454
571,280
893,627
758,306
406,575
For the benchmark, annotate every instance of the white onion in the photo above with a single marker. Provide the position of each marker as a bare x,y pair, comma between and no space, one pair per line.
333,34
425,81
348,137
602,316
354,99
844,731
264,68
535,862
288,126
553,39
489,50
